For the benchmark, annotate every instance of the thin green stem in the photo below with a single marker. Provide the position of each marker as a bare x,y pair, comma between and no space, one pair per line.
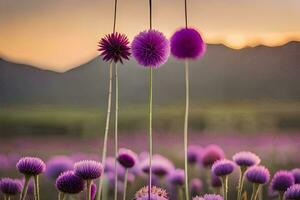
125,184
36,188
104,151
180,193
88,189
241,182
255,191
61,196
150,130
186,118
115,16
186,13
25,187
281,195
225,186
116,130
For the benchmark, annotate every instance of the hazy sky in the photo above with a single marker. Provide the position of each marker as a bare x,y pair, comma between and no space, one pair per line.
62,34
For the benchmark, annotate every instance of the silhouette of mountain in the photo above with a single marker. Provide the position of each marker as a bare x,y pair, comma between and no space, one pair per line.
223,74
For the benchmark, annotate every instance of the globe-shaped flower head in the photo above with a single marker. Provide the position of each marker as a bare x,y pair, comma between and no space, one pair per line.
150,48
211,154
114,47
293,192
10,187
58,164
127,158
187,43
194,153
223,167
258,175
88,169
281,181
176,177
31,166
156,194
69,183
246,159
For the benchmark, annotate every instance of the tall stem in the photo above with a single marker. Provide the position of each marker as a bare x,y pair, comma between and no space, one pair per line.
61,196
125,184
186,128
180,193
241,182
25,187
36,188
106,129
116,130
281,195
255,191
150,131
225,186
115,16
88,189
185,13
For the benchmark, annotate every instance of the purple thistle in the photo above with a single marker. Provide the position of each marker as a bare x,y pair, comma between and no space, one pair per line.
10,187
212,197
194,153
150,48
127,158
69,183
246,159
187,43
195,186
223,167
176,177
155,194
31,166
293,192
114,47
58,164
211,154
258,174
88,169
281,181
296,174
216,182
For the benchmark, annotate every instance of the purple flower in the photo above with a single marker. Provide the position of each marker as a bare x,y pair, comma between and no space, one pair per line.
88,169
282,180
296,174
223,167
216,182
195,186
31,166
212,197
161,166
197,198
127,158
93,191
69,183
114,47
258,174
150,48
211,154
10,186
187,43
293,192
194,153
156,194
176,177
58,164
246,159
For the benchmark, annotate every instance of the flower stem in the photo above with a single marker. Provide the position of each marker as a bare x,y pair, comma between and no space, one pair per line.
116,129
180,193
25,187
36,188
61,196
225,186
241,182
125,184
186,128
106,130
281,195
150,130
88,189
255,191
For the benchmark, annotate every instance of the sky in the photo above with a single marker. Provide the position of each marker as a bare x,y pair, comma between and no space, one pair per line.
62,34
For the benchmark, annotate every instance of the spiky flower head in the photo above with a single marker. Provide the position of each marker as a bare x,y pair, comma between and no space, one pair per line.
150,48
296,174
258,174
10,186
176,177
88,169
69,183
187,43
156,193
293,192
211,154
114,47
223,167
58,164
31,166
194,153
127,158
282,180
246,159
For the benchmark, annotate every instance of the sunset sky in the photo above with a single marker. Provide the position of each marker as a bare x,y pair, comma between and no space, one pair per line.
62,34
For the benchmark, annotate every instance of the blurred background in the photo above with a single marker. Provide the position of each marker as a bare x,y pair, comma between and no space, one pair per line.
245,92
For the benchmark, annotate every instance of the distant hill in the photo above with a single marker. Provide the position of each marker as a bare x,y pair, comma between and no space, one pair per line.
223,74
